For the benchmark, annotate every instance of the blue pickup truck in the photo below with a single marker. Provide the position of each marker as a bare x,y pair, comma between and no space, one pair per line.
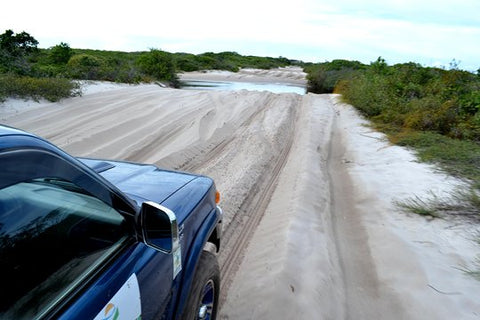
99,239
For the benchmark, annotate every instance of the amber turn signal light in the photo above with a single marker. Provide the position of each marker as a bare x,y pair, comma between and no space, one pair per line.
217,197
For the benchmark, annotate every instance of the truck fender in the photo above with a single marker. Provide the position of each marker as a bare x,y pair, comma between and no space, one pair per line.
207,228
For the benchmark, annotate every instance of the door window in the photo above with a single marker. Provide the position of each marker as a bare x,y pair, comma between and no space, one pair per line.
52,235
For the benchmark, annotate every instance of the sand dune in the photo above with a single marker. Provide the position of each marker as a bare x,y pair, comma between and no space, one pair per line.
307,189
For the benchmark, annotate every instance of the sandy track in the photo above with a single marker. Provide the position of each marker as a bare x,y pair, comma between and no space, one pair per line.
366,296
240,231
309,225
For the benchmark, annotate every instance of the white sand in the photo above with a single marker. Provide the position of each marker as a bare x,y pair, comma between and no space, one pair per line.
330,244
422,260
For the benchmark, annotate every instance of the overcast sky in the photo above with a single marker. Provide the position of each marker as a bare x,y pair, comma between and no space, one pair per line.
430,32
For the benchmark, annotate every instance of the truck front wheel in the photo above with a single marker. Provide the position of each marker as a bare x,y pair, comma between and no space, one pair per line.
203,300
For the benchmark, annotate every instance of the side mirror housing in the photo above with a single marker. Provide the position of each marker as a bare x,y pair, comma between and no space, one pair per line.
160,231
159,227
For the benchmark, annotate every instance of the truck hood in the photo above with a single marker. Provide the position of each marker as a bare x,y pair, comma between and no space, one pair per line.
140,182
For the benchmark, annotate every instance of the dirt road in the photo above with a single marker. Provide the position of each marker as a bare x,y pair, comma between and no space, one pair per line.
309,230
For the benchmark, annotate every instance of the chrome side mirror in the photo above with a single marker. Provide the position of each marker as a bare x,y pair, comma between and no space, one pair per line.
160,231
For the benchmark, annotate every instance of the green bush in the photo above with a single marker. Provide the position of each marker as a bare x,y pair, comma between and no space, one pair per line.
61,53
371,94
52,89
49,71
228,60
324,77
317,82
187,62
419,98
86,67
160,65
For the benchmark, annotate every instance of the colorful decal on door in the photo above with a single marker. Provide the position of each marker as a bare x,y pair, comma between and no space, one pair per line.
125,304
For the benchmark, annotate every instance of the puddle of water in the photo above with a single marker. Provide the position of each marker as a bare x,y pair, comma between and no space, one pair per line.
233,86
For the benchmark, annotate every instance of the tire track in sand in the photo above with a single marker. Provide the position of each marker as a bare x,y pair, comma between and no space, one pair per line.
219,144
239,231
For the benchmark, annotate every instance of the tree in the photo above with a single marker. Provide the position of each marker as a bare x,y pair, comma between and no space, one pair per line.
85,66
14,51
17,44
61,53
159,64
380,66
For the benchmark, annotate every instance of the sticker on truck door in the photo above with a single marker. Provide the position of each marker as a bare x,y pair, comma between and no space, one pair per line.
125,304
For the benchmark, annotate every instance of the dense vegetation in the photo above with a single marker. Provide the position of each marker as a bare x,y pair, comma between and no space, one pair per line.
433,110
18,75
230,61
417,98
28,71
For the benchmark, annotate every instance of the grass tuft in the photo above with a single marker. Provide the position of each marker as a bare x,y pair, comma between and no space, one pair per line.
463,202
475,272
419,206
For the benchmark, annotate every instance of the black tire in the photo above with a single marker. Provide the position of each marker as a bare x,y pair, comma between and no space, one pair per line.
205,290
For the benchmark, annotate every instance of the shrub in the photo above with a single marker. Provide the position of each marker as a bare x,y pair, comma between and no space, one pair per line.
61,53
158,64
187,62
414,97
52,89
231,61
324,77
317,82
86,67
371,94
